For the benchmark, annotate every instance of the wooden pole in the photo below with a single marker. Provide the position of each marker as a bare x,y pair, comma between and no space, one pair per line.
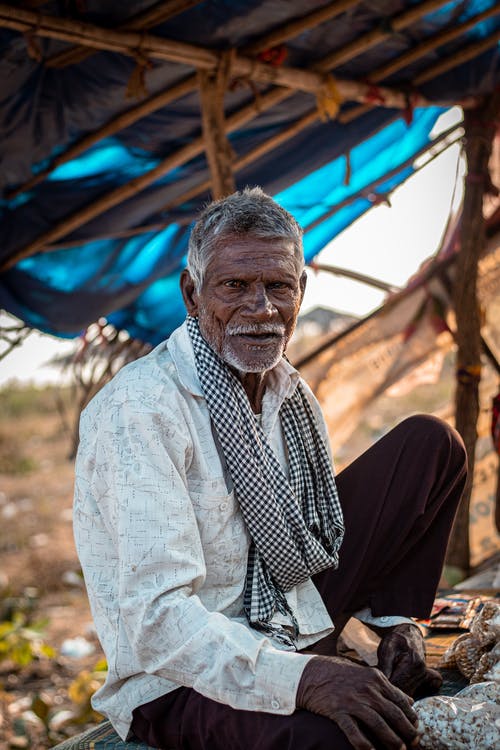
366,41
118,123
249,158
469,52
356,276
298,26
189,84
480,126
152,17
218,150
131,188
147,45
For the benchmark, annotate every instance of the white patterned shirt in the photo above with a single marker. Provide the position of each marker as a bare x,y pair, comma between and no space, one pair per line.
163,544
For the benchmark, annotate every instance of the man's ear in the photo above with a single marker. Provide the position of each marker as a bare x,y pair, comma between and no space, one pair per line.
189,293
302,283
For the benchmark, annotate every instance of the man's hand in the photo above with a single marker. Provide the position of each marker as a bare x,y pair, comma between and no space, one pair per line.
401,657
360,700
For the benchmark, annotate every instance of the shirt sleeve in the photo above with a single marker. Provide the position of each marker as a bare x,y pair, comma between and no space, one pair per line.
141,552
383,621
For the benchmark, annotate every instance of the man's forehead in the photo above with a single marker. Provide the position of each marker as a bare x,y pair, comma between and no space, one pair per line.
248,248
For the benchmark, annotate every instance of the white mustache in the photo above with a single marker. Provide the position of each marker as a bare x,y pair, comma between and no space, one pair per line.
271,329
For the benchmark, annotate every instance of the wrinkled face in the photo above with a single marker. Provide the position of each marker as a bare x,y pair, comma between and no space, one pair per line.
248,305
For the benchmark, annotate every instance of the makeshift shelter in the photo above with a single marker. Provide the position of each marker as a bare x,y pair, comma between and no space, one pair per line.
119,120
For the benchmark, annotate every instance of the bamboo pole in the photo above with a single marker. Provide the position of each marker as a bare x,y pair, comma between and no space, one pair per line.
217,147
133,43
298,26
247,159
422,49
356,276
131,188
480,126
466,54
189,84
366,41
110,128
373,185
148,19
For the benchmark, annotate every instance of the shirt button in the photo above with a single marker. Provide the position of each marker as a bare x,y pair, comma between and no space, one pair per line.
384,618
275,704
223,506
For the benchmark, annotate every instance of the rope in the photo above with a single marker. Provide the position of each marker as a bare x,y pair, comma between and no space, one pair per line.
136,86
469,374
329,99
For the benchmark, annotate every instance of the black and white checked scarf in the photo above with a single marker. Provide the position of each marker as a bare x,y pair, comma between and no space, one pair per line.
296,525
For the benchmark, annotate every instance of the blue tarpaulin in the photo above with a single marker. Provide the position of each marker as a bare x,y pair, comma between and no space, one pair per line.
133,281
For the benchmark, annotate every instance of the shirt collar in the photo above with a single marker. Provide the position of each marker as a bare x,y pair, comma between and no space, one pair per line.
283,378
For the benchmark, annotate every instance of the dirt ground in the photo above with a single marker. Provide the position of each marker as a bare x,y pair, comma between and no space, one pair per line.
39,571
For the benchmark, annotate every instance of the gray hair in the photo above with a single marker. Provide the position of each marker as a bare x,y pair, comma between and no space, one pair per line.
247,212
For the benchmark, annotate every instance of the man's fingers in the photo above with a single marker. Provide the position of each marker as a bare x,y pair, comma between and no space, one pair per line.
402,701
404,725
358,740
388,736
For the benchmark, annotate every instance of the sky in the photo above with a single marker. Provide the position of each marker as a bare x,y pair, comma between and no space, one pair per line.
387,243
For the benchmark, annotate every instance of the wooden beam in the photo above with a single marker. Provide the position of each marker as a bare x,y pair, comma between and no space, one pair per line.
132,43
356,276
379,74
469,52
118,123
249,158
131,188
366,41
147,20
480,128
217,147
298,26
345,90
189,84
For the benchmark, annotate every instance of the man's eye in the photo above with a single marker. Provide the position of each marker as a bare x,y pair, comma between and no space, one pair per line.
234,284
277,285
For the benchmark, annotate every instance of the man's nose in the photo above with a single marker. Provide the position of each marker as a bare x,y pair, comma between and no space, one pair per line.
258,303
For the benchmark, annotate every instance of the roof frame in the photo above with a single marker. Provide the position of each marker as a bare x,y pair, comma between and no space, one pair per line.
312,81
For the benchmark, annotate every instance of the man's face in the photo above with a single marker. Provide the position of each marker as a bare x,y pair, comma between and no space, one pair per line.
248,305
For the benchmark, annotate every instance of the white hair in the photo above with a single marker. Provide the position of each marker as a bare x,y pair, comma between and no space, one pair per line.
247,212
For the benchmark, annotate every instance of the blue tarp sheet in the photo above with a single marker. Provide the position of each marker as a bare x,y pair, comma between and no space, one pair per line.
133,281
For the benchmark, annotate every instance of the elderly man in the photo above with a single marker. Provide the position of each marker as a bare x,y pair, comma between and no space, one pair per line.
210,529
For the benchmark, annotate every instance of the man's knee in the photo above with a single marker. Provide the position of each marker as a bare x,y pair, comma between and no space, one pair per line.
435,434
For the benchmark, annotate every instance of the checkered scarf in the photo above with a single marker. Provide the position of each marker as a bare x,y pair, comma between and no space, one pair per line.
295,525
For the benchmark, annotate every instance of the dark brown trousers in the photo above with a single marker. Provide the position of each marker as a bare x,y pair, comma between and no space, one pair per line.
399,500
